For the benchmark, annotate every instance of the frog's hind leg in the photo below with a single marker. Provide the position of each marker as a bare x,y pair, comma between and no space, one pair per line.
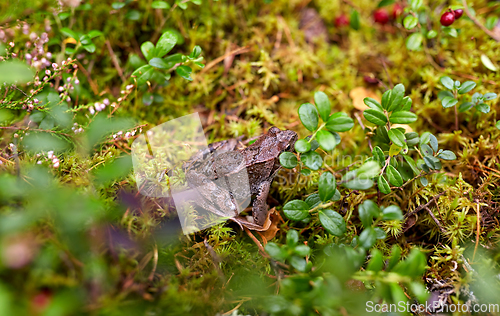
259,206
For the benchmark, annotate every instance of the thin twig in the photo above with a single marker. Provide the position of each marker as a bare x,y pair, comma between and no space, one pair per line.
494,36
114,59
435,220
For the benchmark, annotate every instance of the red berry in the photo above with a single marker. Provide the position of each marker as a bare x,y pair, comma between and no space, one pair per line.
381,16
447,19
397,9
458,13
341,21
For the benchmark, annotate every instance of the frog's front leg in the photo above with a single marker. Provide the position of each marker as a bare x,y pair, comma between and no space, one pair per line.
259,206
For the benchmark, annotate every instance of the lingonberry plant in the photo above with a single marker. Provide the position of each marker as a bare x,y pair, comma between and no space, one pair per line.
451,97
394,144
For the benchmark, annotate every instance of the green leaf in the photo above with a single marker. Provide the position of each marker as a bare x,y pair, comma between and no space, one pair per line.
323,105
412,139
367,211
372,103
395,257
386,97
308,115
483,107
15,71
339,122
375,116
333,222
394,176
275,251
397,95
415,4
160,5
384,3
414,41
448,102
391,213
143,74
424,181
196,52
184,72
296,210
354,20
292,237
397,137
444,93
379,156
412,164
432,162
447,155
117,5
302,250
406,104
376,262
426,150
288,160
165,44
359,184
326,186
402,117
434,142
298,263
383,185
410,22
431,34
413,266
89,47
148,50
312,160
498,125
466,87
450,31
367,238
326,140
447,82
487,63
313,200
465,107
490,96
368,170
158,63
302,146
68,33
133,15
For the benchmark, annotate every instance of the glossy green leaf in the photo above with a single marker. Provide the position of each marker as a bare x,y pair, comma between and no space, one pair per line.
184,72
165,44
367,211
487,63
296,210
333,222
379,156
372,103
288,160
410,22
392,212
326,186
394,176
386,97
312,160
466,87
483,107
448,102
326,140
158,63
402,117
292,237
447,82
367,238
406,104
354,20
397,137
368,170
302,146
375,116
276,252
308,115
414,41
148,50
465,106
376,262
447,155
160,5
383,185
323,105
339,122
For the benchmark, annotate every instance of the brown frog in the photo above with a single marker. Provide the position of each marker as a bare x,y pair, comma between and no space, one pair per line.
226,174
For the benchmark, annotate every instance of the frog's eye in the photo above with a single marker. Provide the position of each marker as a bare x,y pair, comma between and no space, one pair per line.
288,147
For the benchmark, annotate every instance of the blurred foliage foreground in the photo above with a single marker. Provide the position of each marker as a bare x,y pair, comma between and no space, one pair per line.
82,79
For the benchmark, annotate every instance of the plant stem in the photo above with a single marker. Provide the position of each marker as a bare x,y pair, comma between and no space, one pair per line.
476,21
314,134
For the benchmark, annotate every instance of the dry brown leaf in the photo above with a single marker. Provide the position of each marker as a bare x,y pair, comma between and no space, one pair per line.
358,94
269,234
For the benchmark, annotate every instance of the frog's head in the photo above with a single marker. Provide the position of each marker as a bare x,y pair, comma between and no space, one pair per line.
285,139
